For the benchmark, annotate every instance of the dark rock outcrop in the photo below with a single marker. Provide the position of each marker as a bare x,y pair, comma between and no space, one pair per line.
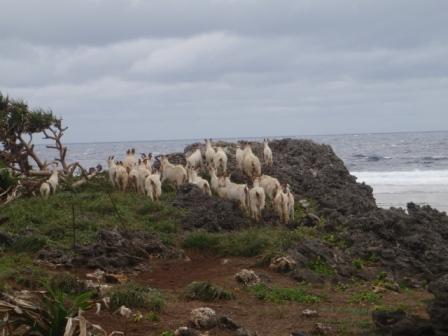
112,250
438,308
210,213
398,323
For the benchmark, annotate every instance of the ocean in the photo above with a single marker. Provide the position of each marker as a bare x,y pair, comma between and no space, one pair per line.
400,167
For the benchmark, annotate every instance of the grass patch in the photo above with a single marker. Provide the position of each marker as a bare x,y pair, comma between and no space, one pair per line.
280,294
67,283
19,270
321,267
368,297
205,291
358,263
50,220
133,295
152,317
29,243
247,243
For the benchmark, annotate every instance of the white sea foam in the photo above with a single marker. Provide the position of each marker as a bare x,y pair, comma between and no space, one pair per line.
404,178
396,188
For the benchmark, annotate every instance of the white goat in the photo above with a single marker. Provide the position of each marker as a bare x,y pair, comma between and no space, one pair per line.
267,153
203,184
251,164
50,185
194,160
214,181
269,184
172,173
220,161
143,171
239,154
234,191
112,170
153,186
121,177
133,177
209,152
290,202
54,180
130,161
45,190
257,202
281,205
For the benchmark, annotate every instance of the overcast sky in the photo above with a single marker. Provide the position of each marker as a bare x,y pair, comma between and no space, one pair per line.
164,69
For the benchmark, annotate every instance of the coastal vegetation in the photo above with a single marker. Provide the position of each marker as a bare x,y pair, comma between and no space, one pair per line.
135,264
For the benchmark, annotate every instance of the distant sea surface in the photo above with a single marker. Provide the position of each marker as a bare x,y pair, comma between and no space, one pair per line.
401,167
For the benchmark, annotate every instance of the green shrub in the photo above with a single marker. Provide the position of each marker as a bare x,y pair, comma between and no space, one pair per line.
152,316
19,269
29,243
167,333
51,317
321,267
205,291
67,283
279,294
358,263
136,296
201,240
366,297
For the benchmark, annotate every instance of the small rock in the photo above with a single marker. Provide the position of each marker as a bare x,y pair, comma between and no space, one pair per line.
304,203
322,329
124,311
5,239
411,283
227,323
310,313
393,286
307,275
244,332
247,277
203,318
378,289
98,275
225,261
282,264
298,333
186,331
115,278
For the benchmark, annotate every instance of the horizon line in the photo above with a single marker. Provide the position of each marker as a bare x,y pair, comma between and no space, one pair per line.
248,137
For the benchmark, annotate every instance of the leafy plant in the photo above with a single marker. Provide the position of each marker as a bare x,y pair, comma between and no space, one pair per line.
358,263
205,291
366,297
46,318
136,296
321,267
152,316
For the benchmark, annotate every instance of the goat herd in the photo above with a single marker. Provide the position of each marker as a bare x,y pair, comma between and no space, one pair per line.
141,176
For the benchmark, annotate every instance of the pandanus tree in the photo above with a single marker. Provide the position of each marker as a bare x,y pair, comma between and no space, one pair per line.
18,124
18,158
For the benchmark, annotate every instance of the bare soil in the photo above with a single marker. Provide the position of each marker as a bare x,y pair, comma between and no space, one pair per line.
266,318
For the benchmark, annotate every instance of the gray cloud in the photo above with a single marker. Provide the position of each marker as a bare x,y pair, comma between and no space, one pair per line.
134,69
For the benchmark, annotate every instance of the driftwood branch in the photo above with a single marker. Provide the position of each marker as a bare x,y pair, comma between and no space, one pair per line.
28,149
55,134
